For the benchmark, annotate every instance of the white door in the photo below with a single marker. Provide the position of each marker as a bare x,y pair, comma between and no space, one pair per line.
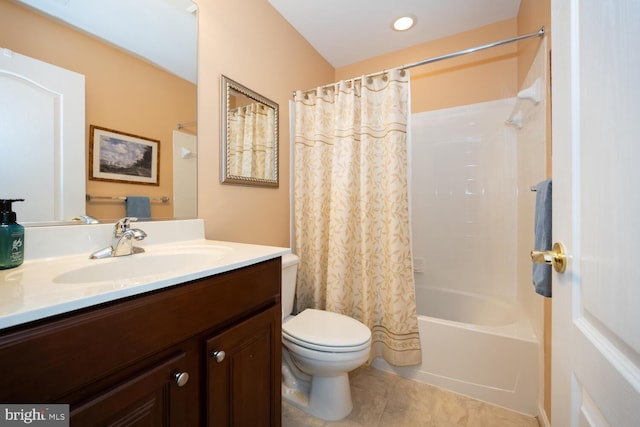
42,128
596,212
185,175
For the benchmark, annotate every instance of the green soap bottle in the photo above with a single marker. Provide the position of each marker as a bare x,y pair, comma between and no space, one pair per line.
11,236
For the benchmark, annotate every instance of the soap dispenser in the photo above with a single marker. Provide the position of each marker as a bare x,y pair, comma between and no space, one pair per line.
11,236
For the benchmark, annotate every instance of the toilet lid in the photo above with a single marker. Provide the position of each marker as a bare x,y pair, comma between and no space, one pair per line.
324,329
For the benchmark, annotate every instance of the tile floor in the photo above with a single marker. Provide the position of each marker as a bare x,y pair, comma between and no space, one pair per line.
381,399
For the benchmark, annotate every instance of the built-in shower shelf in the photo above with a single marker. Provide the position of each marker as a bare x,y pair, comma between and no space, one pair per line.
526,102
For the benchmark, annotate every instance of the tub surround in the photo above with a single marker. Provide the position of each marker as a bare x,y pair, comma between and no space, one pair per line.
468,196
29,292
464,199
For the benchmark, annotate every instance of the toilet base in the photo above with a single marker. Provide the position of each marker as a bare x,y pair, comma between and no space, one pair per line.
327,398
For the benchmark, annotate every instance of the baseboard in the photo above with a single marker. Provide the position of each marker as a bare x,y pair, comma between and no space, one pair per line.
543,421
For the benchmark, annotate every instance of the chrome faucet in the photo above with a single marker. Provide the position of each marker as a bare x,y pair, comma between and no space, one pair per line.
85,219
122,240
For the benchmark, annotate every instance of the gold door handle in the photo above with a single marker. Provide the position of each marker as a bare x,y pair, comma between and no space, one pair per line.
554,257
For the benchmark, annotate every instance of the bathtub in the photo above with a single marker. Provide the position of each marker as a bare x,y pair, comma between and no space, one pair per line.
477,346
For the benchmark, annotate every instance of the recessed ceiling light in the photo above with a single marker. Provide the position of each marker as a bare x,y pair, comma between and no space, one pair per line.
404,23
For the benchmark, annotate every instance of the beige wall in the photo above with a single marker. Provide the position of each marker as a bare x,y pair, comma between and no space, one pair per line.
532,15
261,215
468,79
122,93
267,55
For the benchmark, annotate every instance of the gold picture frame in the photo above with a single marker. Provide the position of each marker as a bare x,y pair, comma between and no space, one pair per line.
123,157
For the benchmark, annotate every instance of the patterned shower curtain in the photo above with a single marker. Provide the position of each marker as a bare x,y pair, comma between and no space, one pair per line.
251,141
352,209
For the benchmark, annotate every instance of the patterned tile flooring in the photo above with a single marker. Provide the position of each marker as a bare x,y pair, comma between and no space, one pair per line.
381,399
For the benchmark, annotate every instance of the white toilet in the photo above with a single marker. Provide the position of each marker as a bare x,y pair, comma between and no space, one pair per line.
320,348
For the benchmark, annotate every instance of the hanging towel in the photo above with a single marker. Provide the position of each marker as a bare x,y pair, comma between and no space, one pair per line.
542,242
138,206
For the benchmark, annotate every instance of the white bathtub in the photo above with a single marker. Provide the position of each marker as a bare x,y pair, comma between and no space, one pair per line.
477,346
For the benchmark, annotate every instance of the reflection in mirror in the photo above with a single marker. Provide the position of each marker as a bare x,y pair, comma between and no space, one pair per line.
125,89
249,136
49,176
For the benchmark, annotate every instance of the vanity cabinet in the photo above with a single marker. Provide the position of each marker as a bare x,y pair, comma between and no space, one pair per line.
152,396
239,372
205,352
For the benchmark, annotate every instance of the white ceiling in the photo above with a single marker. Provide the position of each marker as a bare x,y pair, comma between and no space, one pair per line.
163,32
342,31
348,31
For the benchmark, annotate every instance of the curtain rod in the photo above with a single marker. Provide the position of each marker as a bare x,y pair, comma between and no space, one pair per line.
538,33
186,124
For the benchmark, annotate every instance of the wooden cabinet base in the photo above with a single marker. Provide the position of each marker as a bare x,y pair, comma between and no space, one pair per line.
146,360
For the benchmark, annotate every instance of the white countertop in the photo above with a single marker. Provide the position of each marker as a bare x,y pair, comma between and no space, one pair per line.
44,287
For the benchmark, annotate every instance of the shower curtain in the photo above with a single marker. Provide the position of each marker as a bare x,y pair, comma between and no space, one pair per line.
351,209
251,141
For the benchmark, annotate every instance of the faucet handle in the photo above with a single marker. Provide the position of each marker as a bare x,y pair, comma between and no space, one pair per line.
123,224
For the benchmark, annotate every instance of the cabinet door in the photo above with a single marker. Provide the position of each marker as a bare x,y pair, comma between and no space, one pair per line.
243,373
156,396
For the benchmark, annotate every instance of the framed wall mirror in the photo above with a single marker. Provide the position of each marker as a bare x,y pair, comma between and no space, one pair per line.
249,127
147,92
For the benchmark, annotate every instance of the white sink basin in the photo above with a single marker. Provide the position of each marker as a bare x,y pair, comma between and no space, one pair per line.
141,267
48,285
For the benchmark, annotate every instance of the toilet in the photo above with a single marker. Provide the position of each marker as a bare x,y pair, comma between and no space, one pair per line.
320,348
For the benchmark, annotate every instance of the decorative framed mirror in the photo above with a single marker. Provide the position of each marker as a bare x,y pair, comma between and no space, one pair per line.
249,127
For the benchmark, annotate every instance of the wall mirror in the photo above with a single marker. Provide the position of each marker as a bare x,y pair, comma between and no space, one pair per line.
139,50
249,127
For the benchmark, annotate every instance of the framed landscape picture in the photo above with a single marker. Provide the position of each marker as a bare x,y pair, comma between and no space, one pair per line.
122,157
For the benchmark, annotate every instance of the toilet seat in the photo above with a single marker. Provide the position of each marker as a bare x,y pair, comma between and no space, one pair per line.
324,349
326,331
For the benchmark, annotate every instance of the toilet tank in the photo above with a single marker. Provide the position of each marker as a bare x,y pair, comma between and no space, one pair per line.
289,271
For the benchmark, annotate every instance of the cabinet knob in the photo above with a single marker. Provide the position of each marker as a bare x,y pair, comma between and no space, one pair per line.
218,355
181,378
